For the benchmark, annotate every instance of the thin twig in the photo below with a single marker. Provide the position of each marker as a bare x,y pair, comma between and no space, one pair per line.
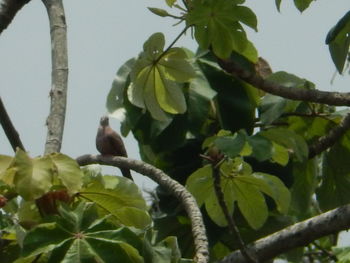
178,190
8,10
172,44
9,129
324,142
229,218
325,252
58,93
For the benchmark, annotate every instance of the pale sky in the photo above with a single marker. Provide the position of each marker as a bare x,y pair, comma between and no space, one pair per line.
102,35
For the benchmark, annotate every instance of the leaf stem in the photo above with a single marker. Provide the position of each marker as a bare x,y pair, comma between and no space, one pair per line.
171,45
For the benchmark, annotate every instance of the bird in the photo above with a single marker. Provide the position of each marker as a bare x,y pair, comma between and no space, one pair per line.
109,142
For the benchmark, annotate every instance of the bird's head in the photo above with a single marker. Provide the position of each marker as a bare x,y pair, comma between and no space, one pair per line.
104,120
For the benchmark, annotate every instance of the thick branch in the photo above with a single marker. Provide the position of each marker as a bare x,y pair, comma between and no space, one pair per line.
58,93
9,129
297,235
8,10
178,190
326,97
331,138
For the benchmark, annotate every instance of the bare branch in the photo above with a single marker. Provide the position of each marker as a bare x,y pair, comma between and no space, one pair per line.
297,235
8,10
178,190
9,129
312,95
58,93
324,142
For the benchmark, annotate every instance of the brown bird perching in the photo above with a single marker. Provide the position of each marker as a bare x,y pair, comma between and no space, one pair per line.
109,142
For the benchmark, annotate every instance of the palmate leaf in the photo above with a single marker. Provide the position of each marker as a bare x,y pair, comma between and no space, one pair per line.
217,25
121,198
71,238
32,177
156,79
242,186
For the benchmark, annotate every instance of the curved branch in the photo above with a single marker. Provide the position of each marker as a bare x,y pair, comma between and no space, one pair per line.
324,142
297,235
8,10
178,190
314,95
58,93
9,129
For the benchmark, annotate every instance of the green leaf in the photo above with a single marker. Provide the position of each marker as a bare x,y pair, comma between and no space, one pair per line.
262,147
302,4
342,254
33,177
290,140
212,204
158,11
272,186
246,16
231,145
5,162
338,40
115,98
170,2
68,171
278,5
214,19
121,198
280,154
156,79
335,183
251,203
73,239
200,183
304,186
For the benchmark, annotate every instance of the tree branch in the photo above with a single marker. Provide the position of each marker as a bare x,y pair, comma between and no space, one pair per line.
297,235
178,190
8,10
58,93
312,95
324,142
9,129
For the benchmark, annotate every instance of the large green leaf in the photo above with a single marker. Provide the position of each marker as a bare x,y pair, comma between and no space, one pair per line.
262,147
217,25
251,203
68,172
304,186
272,186
338,40
156,78
115,98
33,177
200,183
335,184
73,239
121,198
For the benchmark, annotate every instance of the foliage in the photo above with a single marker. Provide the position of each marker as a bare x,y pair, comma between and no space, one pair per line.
190,118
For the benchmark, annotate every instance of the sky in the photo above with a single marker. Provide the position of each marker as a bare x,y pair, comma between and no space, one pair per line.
102,35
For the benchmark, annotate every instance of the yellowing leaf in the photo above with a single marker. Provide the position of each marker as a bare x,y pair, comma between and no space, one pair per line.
156,79
68,171
33,177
